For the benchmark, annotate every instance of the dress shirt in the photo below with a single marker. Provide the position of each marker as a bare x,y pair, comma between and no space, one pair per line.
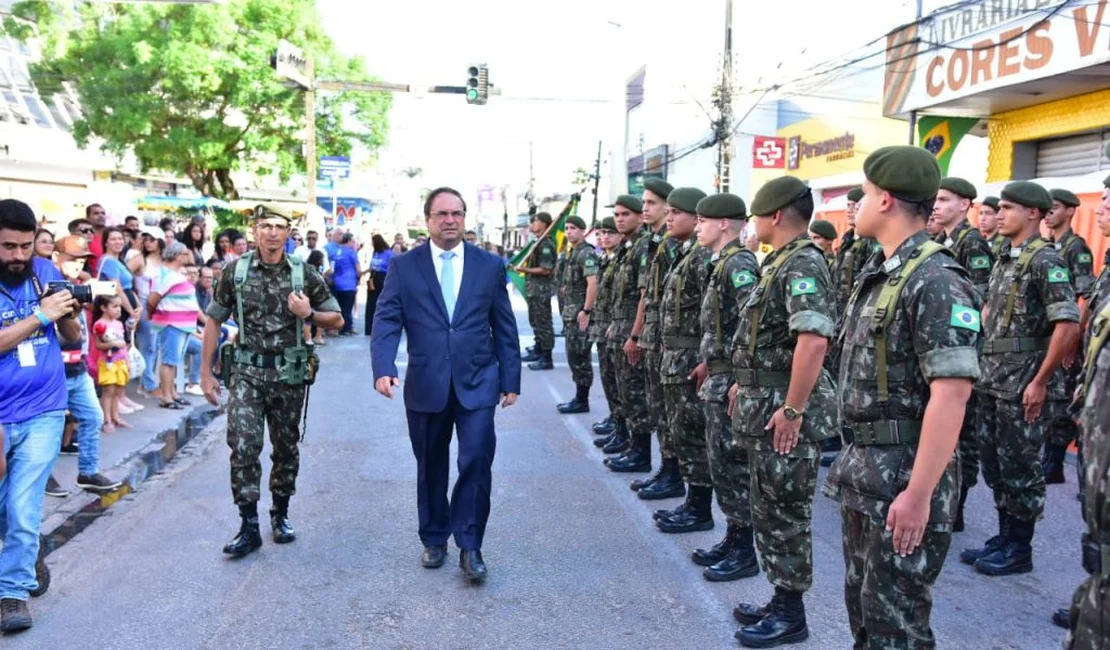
456,263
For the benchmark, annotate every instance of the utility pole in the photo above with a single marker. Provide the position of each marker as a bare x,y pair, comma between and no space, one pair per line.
310,135
505,217
724,108
597,182
913,114
531,182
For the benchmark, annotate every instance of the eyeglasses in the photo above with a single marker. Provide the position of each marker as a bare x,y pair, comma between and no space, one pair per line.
85,231
455,214
276,227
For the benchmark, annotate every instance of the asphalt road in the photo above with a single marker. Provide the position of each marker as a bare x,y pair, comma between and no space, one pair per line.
575,561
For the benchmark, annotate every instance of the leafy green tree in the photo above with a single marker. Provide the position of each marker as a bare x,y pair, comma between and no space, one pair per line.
188,89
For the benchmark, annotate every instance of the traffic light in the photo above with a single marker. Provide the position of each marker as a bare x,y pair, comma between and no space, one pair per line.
477,84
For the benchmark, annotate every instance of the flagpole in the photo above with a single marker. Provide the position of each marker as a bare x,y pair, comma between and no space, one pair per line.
571,205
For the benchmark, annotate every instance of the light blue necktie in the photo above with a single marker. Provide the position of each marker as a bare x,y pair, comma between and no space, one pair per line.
447,283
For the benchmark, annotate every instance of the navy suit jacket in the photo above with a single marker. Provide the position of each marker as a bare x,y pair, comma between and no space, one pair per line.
477,351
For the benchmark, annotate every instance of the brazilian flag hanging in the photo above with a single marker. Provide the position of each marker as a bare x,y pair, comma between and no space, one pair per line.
940,135
557,230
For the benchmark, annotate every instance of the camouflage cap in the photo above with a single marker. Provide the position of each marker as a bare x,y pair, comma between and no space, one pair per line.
823,228
632,203
910,174
991,202
271,211
722,206
777,194
1028,194
959,187
658,187
1067,197
575,220
685,199
608,224
855,194
543,217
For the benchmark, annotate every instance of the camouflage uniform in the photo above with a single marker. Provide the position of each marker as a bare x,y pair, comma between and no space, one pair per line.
625,301
1090,627
794,300
850,259
539,289
599,323
1100,290
997,243
680,313
560,284
933,334
733,274
256,397
1014,348
579,264
661,253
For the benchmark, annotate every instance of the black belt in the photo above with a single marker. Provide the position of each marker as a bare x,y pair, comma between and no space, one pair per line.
1096,558
681,342
257,359
763,378
885,432
719,367
1003,346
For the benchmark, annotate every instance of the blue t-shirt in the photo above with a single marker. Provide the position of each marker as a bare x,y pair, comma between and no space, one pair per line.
379,262
344,273
28,391
331,249
113,269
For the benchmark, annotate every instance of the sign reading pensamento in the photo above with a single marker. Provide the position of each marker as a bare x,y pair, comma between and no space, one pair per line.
990,44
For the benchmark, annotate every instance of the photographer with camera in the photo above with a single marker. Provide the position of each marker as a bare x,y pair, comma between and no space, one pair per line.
32,399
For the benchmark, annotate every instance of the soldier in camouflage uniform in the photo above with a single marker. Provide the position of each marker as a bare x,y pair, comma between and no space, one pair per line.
988,226
1031,322
680,326
270,316
853,254
609,240
973,253
623,306
733,273
785,405
539,284
578,289
823,233
1062,429
910,357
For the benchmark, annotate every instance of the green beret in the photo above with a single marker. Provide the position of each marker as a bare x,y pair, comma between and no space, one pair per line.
959,187
685,199
1028,194
776,194
722,206
608,224
1066,197
658,187
855,194
910,174
823,228
542,216
575,220
992,202
632,203
270,211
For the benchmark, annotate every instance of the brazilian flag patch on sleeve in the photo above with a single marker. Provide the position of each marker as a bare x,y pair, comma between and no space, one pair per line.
965,317
980,262
742,278
803,286
1084,258
1058,274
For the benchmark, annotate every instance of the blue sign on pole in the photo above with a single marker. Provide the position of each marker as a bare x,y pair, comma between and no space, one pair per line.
335,172
335,162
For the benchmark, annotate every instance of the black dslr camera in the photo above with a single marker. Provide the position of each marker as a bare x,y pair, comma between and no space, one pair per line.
84,294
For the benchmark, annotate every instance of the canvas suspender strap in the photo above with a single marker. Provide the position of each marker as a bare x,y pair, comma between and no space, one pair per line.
680,280
1024,260
242,265
765,284
887,305
717,275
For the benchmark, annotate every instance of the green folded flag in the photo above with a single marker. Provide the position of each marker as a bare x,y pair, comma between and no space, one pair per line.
557,230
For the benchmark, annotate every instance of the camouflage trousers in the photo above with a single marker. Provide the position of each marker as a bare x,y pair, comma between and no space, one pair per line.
539,317
968,447
657,410
728,462
579,354
1090,625
1010,453
888,596
1061,428
783,488
253,404
686,416
609,380
633,395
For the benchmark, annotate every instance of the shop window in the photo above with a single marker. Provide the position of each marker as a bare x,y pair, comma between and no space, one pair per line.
1074,155
38,111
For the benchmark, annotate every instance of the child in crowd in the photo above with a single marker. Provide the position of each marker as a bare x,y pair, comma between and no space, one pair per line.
113,372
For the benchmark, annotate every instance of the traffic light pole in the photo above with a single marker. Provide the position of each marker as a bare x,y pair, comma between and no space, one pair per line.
597,183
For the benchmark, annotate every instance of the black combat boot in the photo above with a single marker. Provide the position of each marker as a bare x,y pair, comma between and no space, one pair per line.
638,458
972,555
958,526
1016,556
642,483
580,403
605,427
533,355
784,623
604,440
1052,461
697,517
279,521
749,614
543,362
741,561
668,485
249,539
718,551
620,440
1062,618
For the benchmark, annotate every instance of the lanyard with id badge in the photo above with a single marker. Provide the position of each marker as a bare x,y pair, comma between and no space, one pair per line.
25,351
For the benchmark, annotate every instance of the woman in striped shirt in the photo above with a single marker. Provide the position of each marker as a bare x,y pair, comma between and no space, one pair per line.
174,310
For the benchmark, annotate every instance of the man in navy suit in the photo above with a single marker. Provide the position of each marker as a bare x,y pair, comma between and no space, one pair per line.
449,297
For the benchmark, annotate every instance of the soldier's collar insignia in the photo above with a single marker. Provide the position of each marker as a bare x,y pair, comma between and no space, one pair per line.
1015,253
948,242
892,264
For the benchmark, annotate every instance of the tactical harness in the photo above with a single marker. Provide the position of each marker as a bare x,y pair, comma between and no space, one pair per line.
682,342
720,366
1017,344
1100,333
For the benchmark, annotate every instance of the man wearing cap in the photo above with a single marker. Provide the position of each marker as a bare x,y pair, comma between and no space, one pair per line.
680,327
988,225
1100,290
539,285
910,357
272,296
578,287
1031,324
609,240
733,273
785,405
823,233
853,254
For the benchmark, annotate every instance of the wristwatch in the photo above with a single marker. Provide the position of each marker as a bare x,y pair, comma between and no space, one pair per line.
635,338
586,311
791,413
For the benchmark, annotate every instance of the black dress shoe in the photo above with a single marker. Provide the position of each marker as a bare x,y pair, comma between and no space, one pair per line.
283,530
472,565
574,406
433,556
247,541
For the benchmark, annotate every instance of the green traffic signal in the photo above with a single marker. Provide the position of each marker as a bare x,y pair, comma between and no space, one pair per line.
471,94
